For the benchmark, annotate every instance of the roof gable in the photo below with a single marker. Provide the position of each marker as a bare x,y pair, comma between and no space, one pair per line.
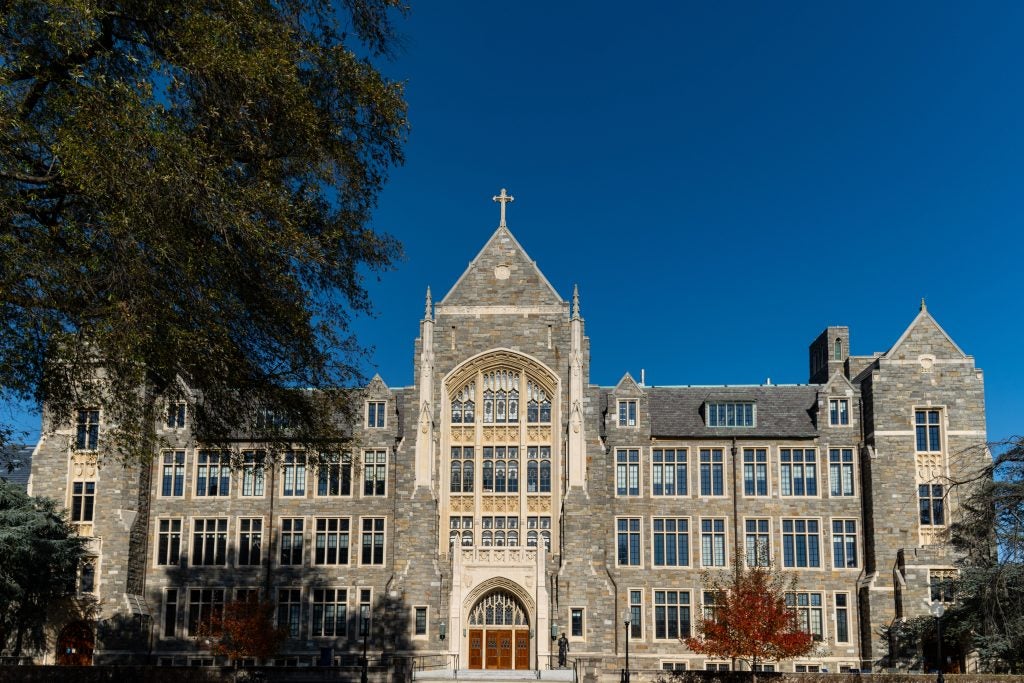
502,274
924,336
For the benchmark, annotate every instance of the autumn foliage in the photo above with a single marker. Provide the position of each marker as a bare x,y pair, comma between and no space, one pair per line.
751,621
245,629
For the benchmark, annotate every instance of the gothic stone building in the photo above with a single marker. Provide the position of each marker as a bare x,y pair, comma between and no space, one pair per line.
504,499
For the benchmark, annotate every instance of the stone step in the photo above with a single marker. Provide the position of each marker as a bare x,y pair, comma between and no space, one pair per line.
494,675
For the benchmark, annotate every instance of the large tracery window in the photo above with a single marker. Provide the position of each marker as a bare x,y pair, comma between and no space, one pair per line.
501,397
498,609
463,405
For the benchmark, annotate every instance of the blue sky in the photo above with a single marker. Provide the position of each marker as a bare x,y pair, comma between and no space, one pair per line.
722,179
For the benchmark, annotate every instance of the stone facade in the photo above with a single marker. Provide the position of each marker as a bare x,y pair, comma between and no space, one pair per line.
479,524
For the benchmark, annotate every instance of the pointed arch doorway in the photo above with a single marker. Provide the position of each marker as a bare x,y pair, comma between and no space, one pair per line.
499,633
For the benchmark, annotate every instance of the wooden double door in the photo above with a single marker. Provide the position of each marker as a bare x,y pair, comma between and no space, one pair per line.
499,648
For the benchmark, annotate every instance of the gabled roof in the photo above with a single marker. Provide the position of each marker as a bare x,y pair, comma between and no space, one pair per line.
502,273
20,458
782,411
924,336
627,386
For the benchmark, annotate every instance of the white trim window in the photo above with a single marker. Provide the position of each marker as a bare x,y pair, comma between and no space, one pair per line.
844,543
755,471
330,612
289,610
375,473
372,540
87,429
712,542
627,412
168,549
209,542
376,414
253,473
213,473
172,474
839,412
801,543
671,614
250,541
175,415
668,472
671,543
331,541
799,471
627,472
840,472
628,541
712,472
808,610
928,430
758,542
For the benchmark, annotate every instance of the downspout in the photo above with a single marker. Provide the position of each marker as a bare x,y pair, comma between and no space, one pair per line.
272,537
735,508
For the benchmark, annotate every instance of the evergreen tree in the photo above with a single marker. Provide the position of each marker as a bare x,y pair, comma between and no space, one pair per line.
40,553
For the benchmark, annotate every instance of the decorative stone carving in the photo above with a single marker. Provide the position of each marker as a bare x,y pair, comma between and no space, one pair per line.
83,465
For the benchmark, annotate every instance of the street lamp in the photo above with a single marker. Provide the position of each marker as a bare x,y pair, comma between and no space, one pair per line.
626,616
364,631
938,609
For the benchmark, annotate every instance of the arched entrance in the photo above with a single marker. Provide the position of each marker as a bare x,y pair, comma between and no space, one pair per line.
75,644
499,633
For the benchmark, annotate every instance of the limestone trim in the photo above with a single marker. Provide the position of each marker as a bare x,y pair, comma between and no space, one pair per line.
497,357
554,309
501,584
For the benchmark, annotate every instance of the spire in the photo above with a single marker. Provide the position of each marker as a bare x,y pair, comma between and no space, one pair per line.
575,302
923,306
426,310
503,199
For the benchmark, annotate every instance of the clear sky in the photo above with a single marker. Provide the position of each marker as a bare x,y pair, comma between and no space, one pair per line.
722,179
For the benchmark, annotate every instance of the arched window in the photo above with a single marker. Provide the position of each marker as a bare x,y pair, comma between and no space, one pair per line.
467,538
456,486
467,412
488,476
485,538
513,405
531,476
513,476
453,538
498,609
499,477
513,538
499,538
546,535
545,411
456,412
837,353
545,476
467,476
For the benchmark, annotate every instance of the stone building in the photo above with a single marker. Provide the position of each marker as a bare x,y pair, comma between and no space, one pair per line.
504,499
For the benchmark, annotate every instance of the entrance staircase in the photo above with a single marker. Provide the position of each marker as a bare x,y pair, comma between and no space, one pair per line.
495,675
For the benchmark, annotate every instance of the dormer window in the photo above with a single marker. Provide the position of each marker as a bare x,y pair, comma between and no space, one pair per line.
627,413
730,414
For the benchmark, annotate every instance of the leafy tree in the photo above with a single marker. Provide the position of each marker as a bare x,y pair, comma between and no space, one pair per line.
39,557
750,619
245,629
186,188
989,532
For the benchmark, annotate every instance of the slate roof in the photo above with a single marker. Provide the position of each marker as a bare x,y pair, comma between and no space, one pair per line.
21,458
783,411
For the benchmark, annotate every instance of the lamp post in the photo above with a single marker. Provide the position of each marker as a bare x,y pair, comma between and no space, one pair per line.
626,616
442,629
364,629
938,609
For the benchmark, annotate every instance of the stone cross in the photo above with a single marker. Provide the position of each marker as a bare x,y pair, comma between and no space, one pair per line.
503,199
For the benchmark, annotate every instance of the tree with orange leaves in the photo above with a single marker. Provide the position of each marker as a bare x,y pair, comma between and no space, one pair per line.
244,629
750,619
